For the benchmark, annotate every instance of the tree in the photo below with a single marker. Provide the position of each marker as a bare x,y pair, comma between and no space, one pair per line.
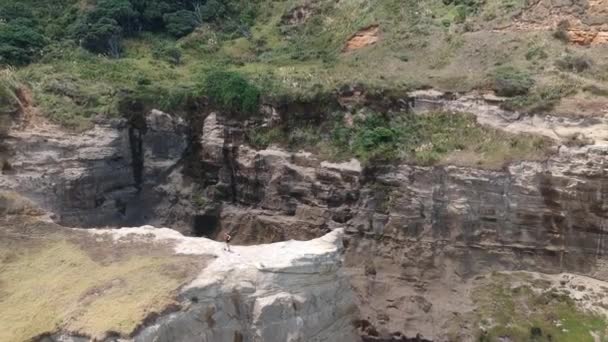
152,12
12,11
212,10
102,36
121,11
19,44
180,23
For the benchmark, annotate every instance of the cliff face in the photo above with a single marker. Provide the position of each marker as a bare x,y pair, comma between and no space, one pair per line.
416,232
415,236
98,177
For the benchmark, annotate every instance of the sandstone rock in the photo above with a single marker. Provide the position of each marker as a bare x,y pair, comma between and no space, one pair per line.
95,177
276,292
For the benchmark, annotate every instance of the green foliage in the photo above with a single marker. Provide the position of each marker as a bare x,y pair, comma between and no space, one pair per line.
232,92
102,36
508,81
429,139
199,200
19,44
168,52
120,10
262,137
374,138
180,23
9,102
536,52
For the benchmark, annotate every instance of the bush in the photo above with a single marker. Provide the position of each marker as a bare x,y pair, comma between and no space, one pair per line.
9,102
542,99
574,63
121,11
168,52
510,82
232,92
180,23
19,44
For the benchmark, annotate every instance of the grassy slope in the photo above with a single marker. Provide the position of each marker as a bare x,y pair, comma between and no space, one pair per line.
422,44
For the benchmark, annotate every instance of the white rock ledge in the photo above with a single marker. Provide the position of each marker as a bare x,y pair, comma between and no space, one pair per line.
287,291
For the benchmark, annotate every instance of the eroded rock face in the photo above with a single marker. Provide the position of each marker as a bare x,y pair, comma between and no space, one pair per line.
416,231
95,177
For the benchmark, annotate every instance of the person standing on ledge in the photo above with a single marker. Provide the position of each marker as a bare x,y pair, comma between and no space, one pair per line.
227,239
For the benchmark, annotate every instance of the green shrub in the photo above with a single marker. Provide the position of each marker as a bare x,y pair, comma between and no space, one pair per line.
19,44
168,52
262,137
180,23
232,92
536,52
508,81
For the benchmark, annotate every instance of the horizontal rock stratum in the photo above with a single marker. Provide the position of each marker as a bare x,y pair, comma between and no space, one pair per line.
149,284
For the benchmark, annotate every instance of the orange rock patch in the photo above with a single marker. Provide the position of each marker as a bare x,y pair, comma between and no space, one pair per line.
365,37
582,37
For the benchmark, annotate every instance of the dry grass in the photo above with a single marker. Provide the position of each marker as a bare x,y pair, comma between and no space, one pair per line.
55,279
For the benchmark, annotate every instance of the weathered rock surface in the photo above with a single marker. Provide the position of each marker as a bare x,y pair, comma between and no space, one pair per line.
586,20
96,177
288,291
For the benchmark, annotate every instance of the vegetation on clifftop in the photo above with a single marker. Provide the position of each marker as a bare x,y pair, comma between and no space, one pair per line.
449,138
84,58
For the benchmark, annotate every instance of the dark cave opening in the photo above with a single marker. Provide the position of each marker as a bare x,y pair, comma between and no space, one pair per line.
205,226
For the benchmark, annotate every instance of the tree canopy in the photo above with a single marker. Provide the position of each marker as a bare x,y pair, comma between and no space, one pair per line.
28,26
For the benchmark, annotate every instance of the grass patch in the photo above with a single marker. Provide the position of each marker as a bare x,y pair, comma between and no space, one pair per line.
9,101
526,314
55,279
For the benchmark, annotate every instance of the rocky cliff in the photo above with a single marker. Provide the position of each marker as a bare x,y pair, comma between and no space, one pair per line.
418,239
